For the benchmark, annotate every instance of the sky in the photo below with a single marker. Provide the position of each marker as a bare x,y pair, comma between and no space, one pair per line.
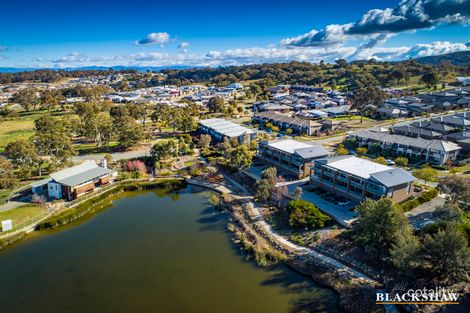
62,34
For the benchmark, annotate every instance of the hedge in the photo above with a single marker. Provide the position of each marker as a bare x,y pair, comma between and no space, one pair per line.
89,205
424,197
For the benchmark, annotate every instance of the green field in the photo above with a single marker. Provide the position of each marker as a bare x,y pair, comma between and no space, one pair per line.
22,214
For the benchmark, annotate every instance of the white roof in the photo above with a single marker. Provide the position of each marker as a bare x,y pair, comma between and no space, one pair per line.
289,145
71,171
359,167
226,128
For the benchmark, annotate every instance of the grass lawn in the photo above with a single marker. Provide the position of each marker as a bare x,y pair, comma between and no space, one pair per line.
15,129
90,148
22,214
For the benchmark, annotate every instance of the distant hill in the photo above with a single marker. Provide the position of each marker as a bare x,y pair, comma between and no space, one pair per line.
96,68
461,58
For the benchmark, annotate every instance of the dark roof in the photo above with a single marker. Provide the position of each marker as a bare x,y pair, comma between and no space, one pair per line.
393,177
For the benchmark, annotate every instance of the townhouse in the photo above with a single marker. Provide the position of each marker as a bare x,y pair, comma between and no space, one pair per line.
298,125
437,152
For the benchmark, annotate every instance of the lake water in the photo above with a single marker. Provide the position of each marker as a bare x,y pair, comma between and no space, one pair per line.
148,252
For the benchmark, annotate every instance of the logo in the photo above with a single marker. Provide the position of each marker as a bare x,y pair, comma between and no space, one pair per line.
401,295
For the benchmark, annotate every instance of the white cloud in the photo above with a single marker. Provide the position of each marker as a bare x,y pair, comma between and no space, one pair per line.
154,38
183,45
408,15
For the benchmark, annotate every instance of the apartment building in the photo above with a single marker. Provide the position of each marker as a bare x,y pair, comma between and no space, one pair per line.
355,179
219,128
291,156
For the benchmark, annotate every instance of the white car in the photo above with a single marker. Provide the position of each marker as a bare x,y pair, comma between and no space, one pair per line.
390,162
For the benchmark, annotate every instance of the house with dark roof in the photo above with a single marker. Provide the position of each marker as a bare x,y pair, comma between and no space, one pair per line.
356,179
292,156
73,182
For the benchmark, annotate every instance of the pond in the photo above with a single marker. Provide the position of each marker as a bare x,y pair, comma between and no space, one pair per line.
149,252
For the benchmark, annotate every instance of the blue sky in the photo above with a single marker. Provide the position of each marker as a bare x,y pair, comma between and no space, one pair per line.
52,33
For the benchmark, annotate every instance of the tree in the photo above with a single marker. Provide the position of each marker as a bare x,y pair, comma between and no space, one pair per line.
366,99
138,111
430,79
378,225
304,214
53,138
205,140
404,253
130,135
297,193
159,150
241,157
24,156
216,104
7,177
27,98
380,160
457,187
50,99
447,254
263,190
426,173
401,161
341,150
361,150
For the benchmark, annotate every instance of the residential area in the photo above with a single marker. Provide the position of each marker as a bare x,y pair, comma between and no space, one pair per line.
312,162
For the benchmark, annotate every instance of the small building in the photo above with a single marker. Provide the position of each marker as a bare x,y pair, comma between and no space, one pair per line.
289,155
73,182
355,179
219,128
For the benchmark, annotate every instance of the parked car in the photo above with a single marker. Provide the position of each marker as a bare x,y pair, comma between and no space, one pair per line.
279,135
390,162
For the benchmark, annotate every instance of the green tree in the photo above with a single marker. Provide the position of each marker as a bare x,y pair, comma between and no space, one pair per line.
378,225
380,160
405,252
457,187
50,99
426,173
430,79
27,98
205,141
304,214
341,150
361,151
401,161
216,104
447,254
241,157
7,177
53,138
130,135
366,99
24,156
263,190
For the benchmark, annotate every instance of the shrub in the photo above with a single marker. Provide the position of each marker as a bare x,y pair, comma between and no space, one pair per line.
305,214
361,150
401,161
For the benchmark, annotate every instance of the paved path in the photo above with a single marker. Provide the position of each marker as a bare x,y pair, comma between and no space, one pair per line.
256,216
